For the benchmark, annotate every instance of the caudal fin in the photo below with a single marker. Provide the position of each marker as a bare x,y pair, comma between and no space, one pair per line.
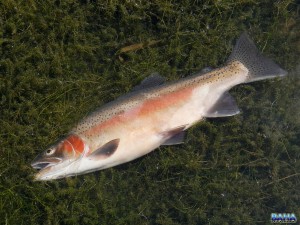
259,66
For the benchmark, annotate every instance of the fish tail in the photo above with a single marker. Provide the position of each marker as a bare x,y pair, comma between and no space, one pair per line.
259,66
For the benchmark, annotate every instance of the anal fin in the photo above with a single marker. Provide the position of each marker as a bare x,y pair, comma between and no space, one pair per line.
225,106
174,136
176,139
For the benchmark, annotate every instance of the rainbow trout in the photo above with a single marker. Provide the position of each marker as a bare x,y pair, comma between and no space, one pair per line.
155,113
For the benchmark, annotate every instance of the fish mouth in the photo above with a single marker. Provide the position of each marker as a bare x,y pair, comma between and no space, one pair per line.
41,165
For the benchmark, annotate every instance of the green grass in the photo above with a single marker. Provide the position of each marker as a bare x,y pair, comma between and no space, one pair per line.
61,59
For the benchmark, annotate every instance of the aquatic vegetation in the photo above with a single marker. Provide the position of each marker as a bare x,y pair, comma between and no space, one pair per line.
61,59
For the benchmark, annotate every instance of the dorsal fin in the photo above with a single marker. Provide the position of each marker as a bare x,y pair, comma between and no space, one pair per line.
151,81
225,106
205,70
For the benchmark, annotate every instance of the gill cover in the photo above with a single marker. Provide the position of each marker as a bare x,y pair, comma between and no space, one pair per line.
69,148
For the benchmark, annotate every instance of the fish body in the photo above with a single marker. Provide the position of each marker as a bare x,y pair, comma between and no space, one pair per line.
155,113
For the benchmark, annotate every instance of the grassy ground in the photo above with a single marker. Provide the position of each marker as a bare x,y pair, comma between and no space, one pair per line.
61,59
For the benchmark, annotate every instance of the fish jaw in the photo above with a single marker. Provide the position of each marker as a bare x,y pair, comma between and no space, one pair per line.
53,172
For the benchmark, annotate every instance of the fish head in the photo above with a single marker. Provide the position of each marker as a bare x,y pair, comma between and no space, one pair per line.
58,160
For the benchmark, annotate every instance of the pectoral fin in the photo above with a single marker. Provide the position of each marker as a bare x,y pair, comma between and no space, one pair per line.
225,106
175,136
105,150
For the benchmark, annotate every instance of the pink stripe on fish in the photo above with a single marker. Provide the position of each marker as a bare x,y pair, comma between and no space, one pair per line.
148,107
167,100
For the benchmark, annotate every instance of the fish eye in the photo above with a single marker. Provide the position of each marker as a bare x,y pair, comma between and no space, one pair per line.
50,151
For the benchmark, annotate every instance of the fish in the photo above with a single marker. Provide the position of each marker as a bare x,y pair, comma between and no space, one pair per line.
153,114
